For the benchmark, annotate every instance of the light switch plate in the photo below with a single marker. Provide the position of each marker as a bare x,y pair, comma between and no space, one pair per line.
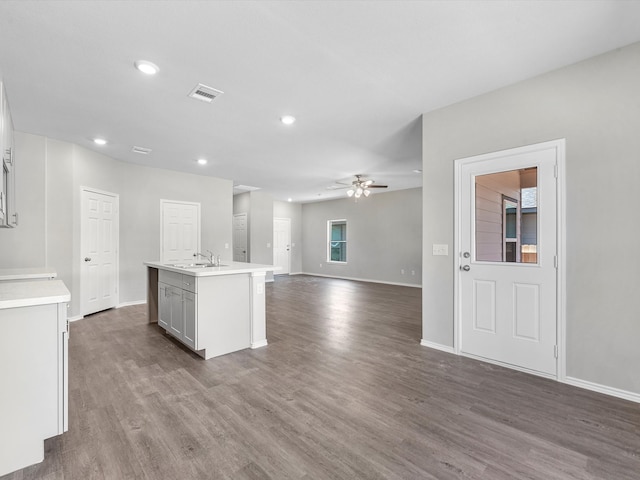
440,249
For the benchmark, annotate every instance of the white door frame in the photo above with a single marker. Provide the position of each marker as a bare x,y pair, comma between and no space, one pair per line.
164,202
559,146
117,243
288,270
246,237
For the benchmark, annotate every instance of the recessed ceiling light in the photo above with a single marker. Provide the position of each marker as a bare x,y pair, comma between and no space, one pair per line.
202,161
147,67
99,141
288,119
289,199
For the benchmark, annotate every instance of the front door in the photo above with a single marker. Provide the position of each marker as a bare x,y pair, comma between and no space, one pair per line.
507,275
282,245
99,240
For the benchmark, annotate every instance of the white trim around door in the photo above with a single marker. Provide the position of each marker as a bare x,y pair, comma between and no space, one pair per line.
179,231
282,245
558,147
100,247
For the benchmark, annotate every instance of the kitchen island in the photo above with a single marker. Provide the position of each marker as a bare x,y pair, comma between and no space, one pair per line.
213,310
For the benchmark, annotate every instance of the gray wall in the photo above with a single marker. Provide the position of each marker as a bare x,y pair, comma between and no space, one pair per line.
383,237
261,227
30,189
262,205
242,204
294,212
594,105
50,179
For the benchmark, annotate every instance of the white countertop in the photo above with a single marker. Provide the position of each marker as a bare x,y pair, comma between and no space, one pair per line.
227,268
26,273
27,294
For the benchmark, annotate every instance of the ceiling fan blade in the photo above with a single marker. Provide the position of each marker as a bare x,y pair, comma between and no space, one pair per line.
378,186
338,187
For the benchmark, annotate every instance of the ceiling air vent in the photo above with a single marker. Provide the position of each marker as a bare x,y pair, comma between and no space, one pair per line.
141,150
204,93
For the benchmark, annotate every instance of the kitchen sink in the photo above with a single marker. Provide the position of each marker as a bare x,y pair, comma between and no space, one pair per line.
195,265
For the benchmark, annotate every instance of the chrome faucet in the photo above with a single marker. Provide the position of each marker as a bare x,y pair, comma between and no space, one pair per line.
208,257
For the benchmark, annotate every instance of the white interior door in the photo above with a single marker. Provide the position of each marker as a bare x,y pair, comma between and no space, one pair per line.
282,245
240,238
180,227
507,275
99,240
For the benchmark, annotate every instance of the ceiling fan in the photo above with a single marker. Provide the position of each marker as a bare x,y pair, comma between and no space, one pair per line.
359,187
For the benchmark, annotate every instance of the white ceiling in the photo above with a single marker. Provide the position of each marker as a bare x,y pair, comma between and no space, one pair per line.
357,75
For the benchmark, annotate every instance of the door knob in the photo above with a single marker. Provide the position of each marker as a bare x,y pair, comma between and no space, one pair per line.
87,259
466,268
466,254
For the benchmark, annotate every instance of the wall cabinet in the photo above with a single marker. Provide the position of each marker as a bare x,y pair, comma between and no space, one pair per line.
8,214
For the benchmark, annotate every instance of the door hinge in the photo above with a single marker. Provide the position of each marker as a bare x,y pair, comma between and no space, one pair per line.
555,351
555,261
555,171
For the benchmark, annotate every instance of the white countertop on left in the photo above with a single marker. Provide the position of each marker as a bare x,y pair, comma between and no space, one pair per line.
27,294
32,273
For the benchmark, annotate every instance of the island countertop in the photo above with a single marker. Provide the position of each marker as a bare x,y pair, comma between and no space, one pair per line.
227,268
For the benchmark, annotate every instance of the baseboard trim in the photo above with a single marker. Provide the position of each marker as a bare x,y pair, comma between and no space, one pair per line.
129,304
261,343
413,285
575,382
596,387
76,318
437,346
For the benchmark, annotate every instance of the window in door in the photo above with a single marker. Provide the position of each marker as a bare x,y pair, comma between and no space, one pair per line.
337,244
506,216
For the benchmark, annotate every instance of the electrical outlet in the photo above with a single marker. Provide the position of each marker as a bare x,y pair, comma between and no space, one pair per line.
268,245
402,271
226,246
320,265
440,249
413,272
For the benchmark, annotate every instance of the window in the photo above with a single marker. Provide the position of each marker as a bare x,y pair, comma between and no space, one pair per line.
337,245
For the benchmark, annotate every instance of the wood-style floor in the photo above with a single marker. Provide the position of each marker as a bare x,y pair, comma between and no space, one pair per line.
342,391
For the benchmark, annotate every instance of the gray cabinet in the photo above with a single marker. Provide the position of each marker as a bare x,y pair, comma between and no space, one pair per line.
177,306
8,214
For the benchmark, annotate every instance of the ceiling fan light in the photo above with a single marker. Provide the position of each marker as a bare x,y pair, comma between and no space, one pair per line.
359,191
350,193
367,193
